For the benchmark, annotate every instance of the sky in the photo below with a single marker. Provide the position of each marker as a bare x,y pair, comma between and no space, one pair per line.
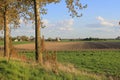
100,20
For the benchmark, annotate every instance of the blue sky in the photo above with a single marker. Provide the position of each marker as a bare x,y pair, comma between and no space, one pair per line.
100,19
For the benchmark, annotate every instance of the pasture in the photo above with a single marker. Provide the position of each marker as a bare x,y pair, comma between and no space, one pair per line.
99,62
105,62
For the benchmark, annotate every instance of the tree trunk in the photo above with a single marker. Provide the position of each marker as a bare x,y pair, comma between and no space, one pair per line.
38,52
6,36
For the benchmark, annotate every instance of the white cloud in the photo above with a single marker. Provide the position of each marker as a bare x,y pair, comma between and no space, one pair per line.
53,28
105,27
48,23
45,22
105,22
66,28
100,18
60,28
64,25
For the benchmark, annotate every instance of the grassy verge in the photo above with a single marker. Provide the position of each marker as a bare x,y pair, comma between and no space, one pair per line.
15,70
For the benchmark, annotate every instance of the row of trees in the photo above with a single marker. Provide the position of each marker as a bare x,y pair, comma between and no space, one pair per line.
12,10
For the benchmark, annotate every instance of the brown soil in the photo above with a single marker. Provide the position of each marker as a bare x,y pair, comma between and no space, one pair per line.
65,46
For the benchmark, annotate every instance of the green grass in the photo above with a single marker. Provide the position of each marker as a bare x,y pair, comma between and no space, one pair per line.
1,43
27,42
15,70
104,62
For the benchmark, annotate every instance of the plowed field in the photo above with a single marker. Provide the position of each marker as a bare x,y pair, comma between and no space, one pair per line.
65,46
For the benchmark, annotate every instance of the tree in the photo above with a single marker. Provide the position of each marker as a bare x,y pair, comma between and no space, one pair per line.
10,13
24,38
8,17
72,5
37,6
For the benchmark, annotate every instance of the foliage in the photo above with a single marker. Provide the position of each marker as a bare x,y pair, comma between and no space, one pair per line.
10,14
27,7
9,10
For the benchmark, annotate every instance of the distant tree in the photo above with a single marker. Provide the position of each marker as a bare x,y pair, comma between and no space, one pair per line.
118,38
49,39
13,38
24,38
1,38
32,38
